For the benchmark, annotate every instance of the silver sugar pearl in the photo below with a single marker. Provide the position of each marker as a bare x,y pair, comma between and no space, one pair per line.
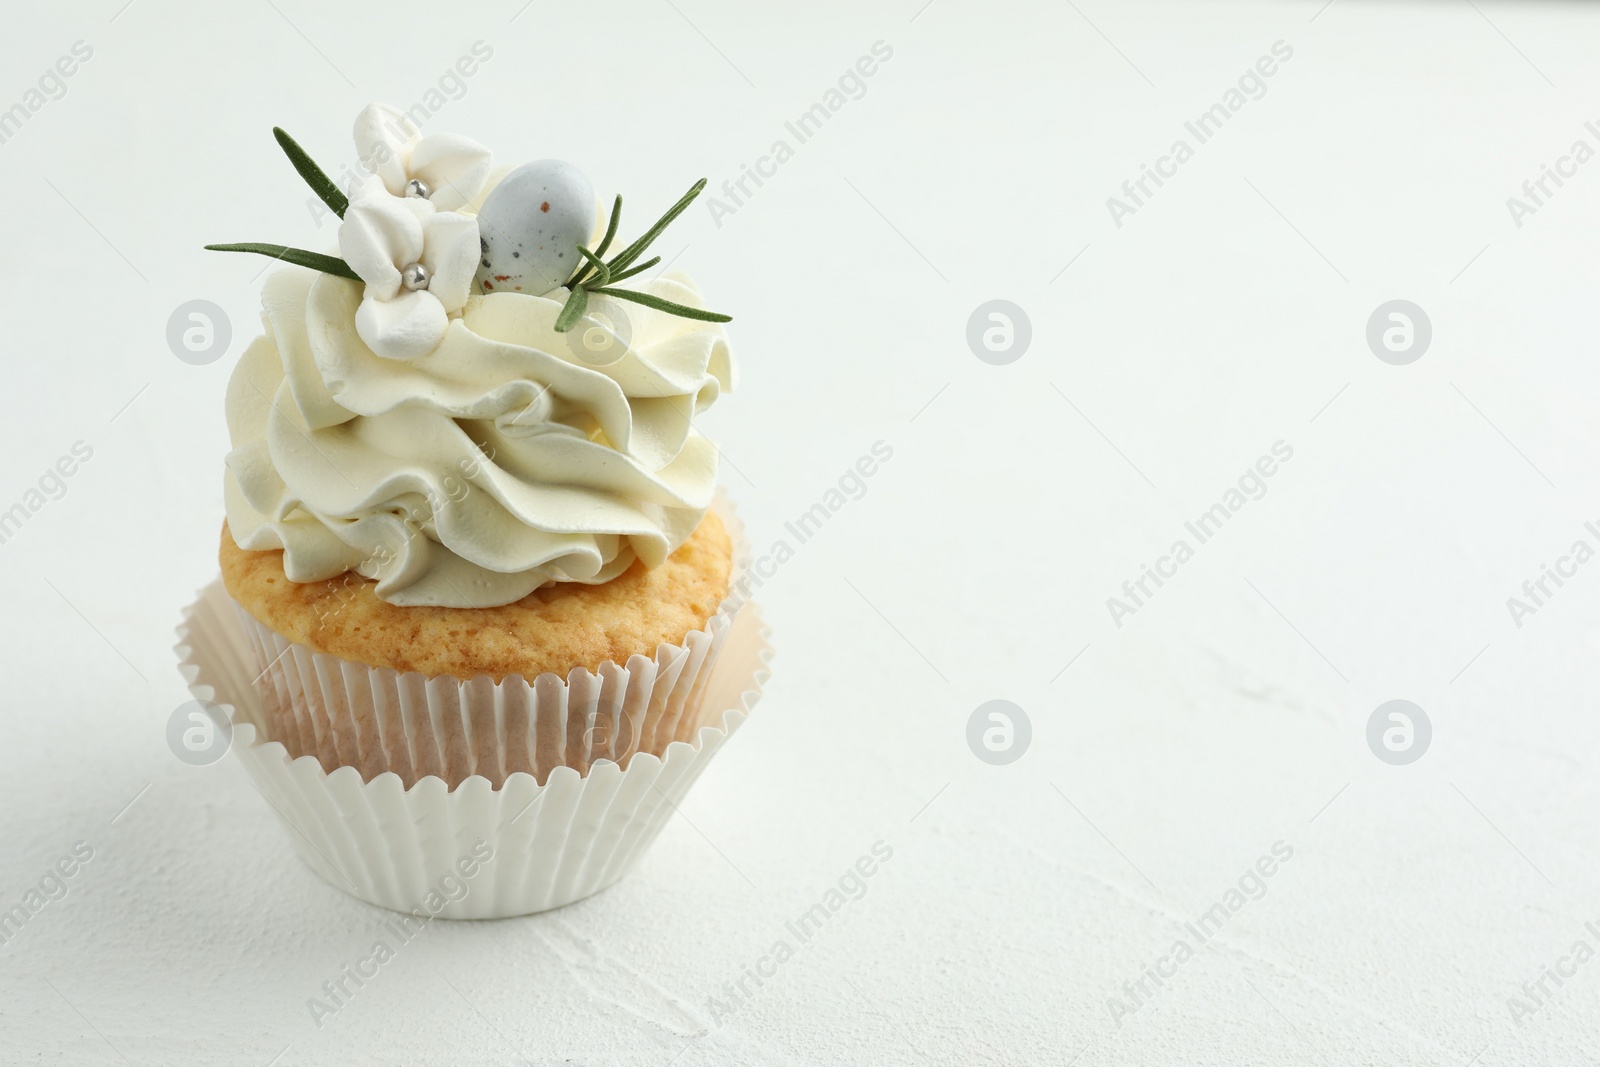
418,188
414,277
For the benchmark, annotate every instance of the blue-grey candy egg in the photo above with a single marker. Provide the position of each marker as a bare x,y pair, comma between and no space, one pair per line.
531,226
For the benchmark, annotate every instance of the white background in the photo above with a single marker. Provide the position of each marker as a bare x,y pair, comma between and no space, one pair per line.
1229,713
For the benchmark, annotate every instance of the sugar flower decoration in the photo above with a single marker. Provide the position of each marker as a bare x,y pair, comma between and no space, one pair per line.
445,168
417,263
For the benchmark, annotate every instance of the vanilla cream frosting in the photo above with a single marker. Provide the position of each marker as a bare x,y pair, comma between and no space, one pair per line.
472,474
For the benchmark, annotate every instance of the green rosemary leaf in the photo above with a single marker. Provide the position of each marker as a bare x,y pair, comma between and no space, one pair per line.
583,271
611,227
602,272
680,310
320,183
576,305
631,271
298,256
626,257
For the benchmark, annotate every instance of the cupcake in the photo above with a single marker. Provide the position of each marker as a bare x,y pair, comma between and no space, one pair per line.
473,553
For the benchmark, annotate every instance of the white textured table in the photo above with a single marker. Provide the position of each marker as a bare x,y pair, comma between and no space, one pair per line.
1216,722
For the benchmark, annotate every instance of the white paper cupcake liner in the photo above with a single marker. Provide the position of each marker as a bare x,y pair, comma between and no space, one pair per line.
524,830
376,719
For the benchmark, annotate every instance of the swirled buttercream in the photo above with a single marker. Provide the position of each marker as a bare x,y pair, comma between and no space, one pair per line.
469,476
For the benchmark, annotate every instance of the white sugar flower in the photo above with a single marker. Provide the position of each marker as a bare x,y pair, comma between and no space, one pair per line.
448,169
417,262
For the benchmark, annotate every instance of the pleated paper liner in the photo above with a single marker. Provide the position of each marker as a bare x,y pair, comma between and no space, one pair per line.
474,799
379,720
409,849
376,719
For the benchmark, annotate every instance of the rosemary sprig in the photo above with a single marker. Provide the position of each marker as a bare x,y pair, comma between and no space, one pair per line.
314,175
605,242
611,227
670,307
602,272
573,309
640,269
298,256
600,276
631,253
323,186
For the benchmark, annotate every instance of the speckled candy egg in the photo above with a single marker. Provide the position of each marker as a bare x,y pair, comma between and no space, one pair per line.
531,226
